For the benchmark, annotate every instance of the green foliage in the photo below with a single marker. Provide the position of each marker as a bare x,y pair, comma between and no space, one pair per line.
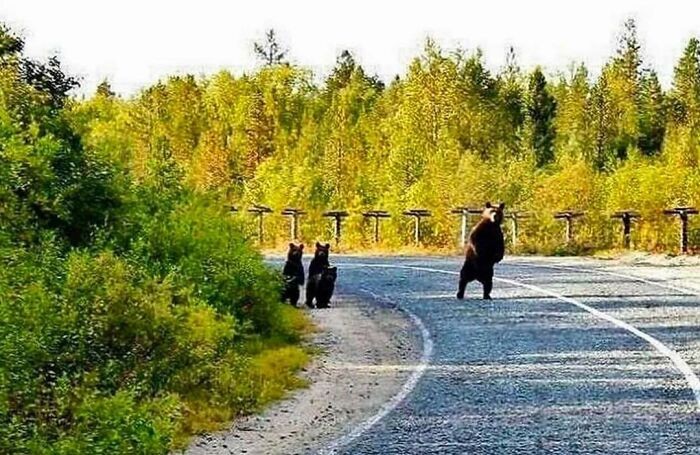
446,133
124,295
541,110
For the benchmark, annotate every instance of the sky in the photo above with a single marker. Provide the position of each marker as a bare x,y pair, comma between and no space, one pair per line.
133,43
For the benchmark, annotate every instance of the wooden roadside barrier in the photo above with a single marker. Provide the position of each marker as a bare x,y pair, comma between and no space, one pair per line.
515,217
418,215
293,214
376,215
260,211
627,217
465,215
338,216
568,216
683,214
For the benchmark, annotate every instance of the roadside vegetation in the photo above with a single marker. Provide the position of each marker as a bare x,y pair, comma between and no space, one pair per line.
448,132
133,311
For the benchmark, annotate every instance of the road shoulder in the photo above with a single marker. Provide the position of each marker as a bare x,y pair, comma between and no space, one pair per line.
364,351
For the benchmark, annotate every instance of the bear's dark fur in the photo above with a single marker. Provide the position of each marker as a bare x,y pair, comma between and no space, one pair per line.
293,273
485,248
324,284
318,264
320,259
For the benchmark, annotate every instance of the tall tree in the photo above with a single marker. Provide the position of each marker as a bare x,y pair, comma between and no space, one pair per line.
685,93
480,117
541,109
270,52
652,113
628,57
49,78
351,96
511,97
601,117
684,128
623,76
572,123
11,44
345,67
259,133
104,89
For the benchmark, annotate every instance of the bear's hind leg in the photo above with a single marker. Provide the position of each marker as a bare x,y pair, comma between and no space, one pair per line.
465,276
310,293
294,295
487,281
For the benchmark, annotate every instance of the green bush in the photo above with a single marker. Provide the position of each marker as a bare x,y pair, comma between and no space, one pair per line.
93,345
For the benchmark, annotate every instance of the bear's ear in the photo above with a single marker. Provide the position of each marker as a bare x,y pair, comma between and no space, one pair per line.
488,205
301,246
328,246
291,246
318,245
502,205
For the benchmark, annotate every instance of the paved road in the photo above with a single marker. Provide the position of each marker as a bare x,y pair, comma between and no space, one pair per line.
548,366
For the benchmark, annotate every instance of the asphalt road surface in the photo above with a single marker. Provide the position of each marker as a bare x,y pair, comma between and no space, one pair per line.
562,360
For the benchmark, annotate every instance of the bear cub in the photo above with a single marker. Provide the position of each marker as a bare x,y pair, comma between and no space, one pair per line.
484,249
293,274
325,285
321,277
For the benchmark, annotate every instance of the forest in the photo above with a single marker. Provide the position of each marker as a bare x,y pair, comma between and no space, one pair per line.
449,132
135,309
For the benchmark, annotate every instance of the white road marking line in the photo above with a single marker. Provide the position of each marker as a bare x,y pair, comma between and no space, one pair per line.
680,364
406,389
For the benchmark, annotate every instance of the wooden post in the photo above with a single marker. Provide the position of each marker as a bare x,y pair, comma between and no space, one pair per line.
293,215
417,214
627,216
462,212
514,217
377,215
465,213
568,216
260,211
683,213
338,215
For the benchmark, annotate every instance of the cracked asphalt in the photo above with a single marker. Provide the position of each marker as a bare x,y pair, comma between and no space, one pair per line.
530,373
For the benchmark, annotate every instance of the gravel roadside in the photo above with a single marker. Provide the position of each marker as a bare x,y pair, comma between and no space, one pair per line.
364,347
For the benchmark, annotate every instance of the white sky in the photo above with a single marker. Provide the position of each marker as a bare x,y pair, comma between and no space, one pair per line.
136,42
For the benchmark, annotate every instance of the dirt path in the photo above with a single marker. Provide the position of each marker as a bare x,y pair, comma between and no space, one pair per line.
345,387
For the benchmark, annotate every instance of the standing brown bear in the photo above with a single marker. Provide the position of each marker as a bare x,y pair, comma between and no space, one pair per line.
485,248
293,274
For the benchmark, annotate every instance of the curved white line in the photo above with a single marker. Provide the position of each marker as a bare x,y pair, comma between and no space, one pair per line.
406,389
680,364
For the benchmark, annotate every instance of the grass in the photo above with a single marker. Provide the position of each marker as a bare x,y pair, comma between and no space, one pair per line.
260,373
